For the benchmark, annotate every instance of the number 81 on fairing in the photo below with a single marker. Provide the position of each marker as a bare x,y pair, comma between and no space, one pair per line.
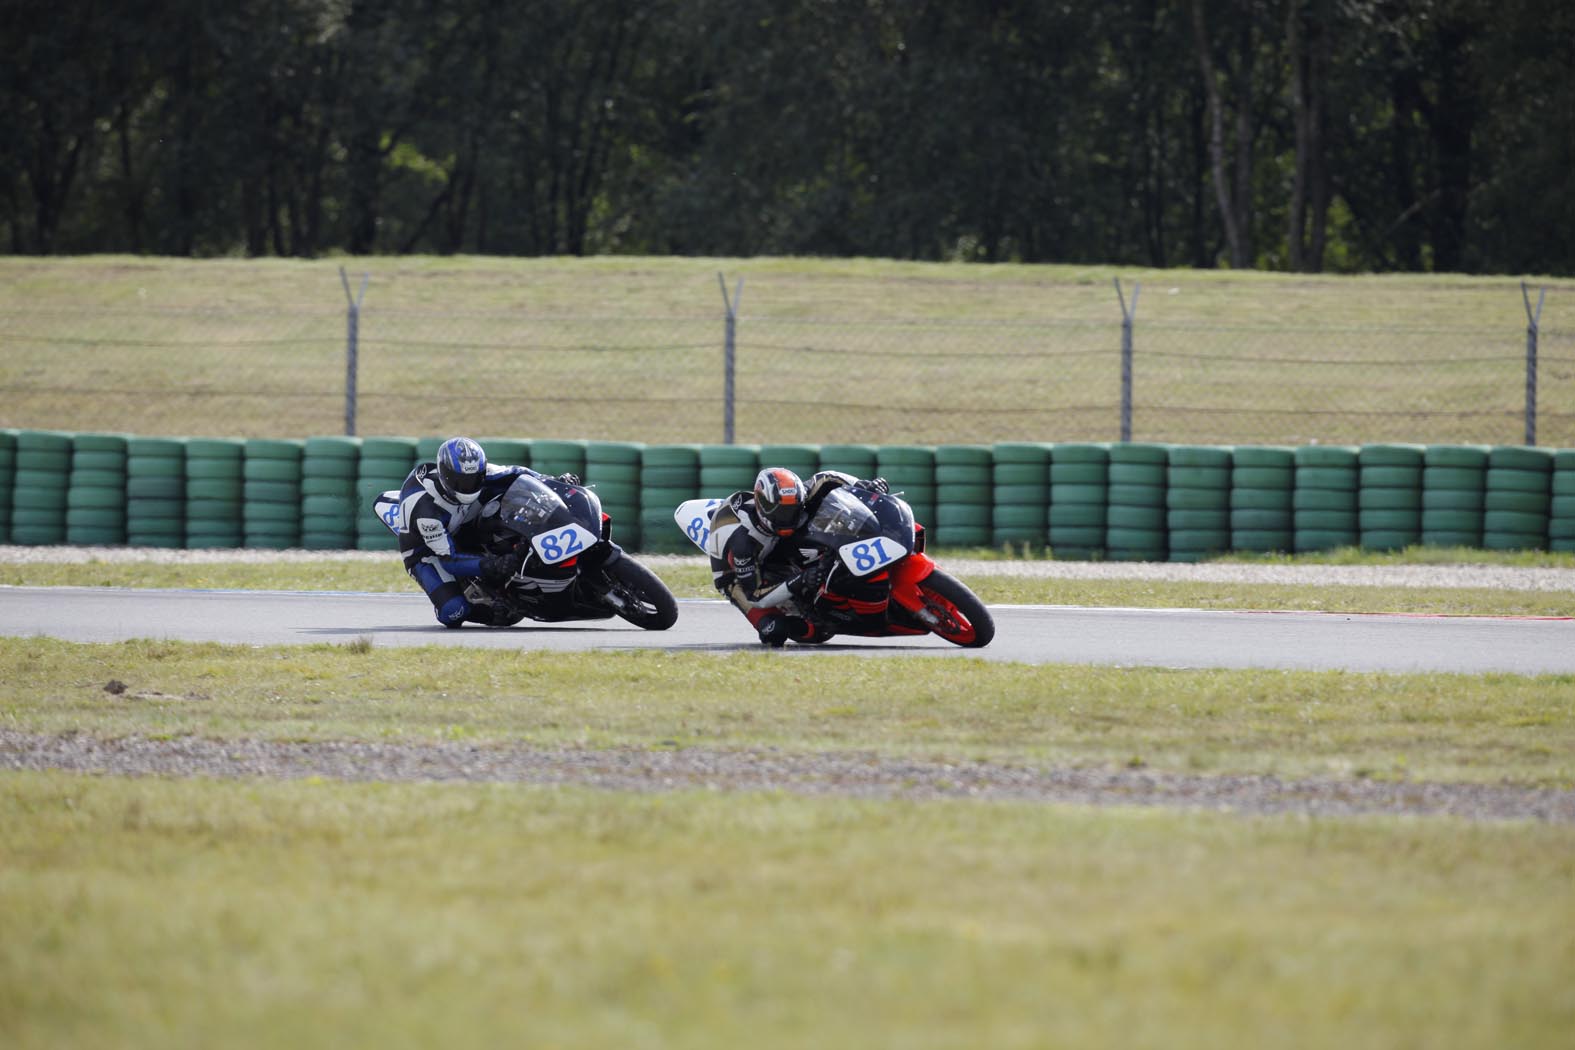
865,556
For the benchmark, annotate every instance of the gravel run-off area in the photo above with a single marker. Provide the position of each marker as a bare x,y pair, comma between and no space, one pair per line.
860,775
854,775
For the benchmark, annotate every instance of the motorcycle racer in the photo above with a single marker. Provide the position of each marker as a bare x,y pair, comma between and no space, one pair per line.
445,505
759,567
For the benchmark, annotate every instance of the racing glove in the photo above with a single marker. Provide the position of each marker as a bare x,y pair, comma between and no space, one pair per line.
805,585
568,477
873,484
498,568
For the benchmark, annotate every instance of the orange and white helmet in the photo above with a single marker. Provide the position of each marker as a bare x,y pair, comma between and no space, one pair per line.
779,500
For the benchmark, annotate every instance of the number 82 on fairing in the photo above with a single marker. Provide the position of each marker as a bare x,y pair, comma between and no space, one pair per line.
562,544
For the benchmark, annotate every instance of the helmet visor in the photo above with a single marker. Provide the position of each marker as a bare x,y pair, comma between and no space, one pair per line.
463,487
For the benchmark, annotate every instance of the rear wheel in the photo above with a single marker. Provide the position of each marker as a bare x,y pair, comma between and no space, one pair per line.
961,617
638,595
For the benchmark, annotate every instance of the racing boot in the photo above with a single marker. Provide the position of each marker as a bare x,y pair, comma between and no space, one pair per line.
777,630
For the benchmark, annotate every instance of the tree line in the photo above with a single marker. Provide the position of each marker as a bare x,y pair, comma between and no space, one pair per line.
1301,135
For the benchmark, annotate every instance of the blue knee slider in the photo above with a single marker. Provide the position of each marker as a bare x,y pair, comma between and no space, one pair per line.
452,613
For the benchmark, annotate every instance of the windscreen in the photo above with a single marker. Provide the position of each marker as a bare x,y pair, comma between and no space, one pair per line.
528,505
842,516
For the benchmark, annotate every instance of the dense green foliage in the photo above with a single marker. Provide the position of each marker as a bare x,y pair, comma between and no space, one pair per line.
1287,134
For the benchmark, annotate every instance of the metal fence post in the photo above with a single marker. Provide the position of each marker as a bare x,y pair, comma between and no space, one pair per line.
1126,355
729,354
352,337
1533,319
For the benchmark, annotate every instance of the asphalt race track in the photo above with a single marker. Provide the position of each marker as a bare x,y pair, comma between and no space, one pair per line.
1033,634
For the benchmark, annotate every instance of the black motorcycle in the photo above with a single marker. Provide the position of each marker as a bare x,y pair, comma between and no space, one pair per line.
875,578
573,571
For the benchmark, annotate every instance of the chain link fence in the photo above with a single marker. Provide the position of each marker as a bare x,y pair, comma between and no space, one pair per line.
785,355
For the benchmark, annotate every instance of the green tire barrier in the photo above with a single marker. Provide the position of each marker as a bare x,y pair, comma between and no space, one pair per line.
558,457
156,492
1083,500
1275,478
329,467
96,492
910,470
1324,502
1136,495
7,481
1389,496
1390,455
1517,497
1020,476
1454,480
964,507
40,484
1561,503
669,475
1135,516
1079,491
1197,501
728,468
271,493
858,460
507,451
1386,498
612,470
802,460
1276,500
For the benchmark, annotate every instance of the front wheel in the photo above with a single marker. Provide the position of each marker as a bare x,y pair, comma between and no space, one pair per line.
638,595
960,617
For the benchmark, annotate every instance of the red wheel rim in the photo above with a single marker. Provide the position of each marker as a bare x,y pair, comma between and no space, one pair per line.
954,626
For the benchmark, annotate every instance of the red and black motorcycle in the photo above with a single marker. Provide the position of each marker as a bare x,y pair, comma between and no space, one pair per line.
876,579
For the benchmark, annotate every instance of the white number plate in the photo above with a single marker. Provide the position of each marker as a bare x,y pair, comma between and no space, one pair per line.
694,517
863,557
563,544
390,511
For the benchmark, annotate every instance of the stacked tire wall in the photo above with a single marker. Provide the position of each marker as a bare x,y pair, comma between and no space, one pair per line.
1116,502
1262,494
215,470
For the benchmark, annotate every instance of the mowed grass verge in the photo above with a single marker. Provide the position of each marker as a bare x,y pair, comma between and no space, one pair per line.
1486,728
269,915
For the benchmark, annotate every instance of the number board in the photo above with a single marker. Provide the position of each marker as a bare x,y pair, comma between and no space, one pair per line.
390,512
562,544
863,557
694,517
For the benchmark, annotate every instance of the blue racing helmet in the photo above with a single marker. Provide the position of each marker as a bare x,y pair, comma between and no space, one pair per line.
461,468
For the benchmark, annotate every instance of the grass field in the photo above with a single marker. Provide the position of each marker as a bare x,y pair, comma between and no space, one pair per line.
185,914
827,351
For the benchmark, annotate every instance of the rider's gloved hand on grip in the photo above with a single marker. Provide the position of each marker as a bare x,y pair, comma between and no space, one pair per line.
807,583
568,477
497,568
873,484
